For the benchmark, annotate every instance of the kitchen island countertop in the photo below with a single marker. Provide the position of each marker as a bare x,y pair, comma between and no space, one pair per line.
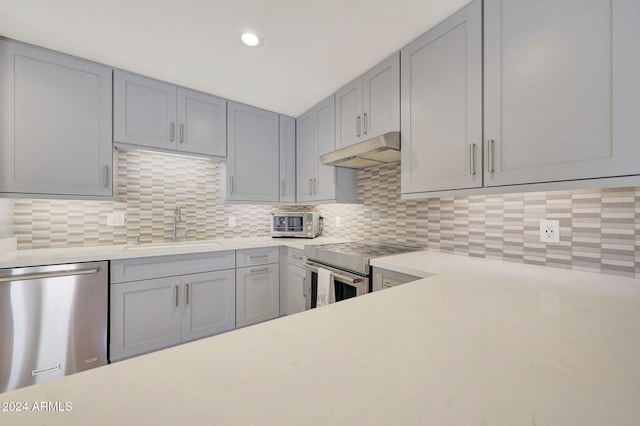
479,342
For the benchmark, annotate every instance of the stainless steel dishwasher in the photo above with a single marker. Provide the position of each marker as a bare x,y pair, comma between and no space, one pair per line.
53,322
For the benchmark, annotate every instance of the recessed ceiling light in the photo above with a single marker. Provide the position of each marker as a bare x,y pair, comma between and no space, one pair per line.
251,39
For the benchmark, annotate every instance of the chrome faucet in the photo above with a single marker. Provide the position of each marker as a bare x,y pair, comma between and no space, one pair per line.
177,218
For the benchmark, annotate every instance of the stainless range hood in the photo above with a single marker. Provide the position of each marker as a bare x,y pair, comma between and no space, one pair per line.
372,152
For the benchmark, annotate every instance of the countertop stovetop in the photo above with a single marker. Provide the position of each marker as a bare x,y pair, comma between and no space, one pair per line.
353,256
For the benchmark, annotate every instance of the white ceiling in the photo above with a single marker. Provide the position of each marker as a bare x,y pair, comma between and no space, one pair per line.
310,49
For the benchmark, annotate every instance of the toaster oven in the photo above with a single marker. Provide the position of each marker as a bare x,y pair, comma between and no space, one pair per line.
296,225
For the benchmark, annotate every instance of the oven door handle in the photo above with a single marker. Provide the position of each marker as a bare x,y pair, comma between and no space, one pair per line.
338,277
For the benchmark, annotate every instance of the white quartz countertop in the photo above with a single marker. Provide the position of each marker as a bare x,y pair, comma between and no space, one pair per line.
478,342
53,256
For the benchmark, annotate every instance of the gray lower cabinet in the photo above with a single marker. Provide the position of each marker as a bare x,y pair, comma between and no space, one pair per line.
257,285
287,159
561,92
315,136
161,116
145,316
156,303
252,154
55,124
369,105
292,281
441,133
383,279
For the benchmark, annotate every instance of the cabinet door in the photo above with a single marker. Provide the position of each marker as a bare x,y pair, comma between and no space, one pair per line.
145,316
442,106
305,158
287,159
252,158
295,290
257,294
209,304
561,99
202,123
324,184
348,109
55,123
381,98
144,111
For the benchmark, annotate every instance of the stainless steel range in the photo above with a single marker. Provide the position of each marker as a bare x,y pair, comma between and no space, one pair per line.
348,264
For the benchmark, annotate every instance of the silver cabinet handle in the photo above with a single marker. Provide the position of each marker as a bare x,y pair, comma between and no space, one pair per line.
358,127
187,290
258,256
295,256
365,124
231,184
310,186
257,270
52,274
472,159
387,284
315,184
176,294
304,288
282,188
181,133
172,131
105,176
490,144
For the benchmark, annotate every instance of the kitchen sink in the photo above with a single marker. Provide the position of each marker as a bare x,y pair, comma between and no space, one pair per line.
177,244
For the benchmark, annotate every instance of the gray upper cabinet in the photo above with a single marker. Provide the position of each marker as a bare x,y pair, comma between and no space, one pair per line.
144,111
349,114
306,157
287,159
252,154
369,105
561,90
441,133
202,123
55,124
161,116
315,137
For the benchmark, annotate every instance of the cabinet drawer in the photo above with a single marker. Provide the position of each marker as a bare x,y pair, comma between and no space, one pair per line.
259,256
383,279
295,257
165,266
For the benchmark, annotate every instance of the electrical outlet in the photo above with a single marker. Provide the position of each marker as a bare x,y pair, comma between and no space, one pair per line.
338,223
116,219
232,222
549,231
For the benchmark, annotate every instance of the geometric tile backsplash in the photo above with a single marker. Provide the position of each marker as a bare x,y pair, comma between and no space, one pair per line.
599,228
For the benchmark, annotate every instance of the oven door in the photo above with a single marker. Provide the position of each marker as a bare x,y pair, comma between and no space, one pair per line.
346,284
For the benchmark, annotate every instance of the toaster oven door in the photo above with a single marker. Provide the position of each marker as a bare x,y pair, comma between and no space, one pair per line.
288,224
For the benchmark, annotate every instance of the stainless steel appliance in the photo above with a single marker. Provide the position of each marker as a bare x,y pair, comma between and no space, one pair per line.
348,264
297,225
372,152
53,322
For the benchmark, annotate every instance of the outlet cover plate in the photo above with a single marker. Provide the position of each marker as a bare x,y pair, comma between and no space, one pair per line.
116,219
549,231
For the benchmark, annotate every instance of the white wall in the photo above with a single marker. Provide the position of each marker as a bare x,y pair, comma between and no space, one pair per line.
6,218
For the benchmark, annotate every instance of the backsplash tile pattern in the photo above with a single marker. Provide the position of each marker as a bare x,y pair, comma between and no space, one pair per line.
600,229
150,187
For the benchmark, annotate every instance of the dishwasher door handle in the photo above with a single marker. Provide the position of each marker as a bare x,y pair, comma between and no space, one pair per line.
53,274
